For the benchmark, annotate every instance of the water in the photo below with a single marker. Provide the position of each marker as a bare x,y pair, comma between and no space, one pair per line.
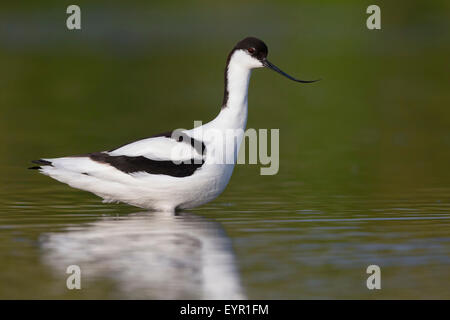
364,154
254,242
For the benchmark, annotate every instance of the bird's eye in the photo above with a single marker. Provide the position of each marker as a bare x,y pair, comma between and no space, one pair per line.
251,50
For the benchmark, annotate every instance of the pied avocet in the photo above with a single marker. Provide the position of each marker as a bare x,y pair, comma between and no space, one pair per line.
146,173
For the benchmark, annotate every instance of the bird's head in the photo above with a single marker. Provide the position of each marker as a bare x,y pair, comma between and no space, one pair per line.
252,53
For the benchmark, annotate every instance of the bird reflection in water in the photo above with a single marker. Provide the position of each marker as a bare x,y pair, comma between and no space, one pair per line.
151,255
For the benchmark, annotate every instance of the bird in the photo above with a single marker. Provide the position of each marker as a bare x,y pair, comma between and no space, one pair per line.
178,169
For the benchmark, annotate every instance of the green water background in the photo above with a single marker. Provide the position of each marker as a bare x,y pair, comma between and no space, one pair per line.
364,153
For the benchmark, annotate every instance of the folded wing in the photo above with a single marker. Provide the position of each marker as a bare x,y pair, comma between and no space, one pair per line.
178,156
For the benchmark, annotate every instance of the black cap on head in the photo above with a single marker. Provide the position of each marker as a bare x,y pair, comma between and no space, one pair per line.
255,47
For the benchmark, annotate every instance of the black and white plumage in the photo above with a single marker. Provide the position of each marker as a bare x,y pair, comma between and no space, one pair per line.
174,170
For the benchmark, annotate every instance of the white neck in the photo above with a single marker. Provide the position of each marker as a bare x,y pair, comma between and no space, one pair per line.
234,109
233,115
238,78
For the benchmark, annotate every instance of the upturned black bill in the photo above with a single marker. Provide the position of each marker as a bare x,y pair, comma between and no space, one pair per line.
275,68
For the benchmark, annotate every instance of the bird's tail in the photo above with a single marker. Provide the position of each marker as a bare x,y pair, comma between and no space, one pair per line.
41,163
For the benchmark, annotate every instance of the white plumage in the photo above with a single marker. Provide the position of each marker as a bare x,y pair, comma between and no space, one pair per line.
148,174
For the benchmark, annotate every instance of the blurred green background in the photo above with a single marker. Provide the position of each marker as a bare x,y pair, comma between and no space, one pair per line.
370,141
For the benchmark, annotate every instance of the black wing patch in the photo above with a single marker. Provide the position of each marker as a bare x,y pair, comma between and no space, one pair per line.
42,163
142,164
